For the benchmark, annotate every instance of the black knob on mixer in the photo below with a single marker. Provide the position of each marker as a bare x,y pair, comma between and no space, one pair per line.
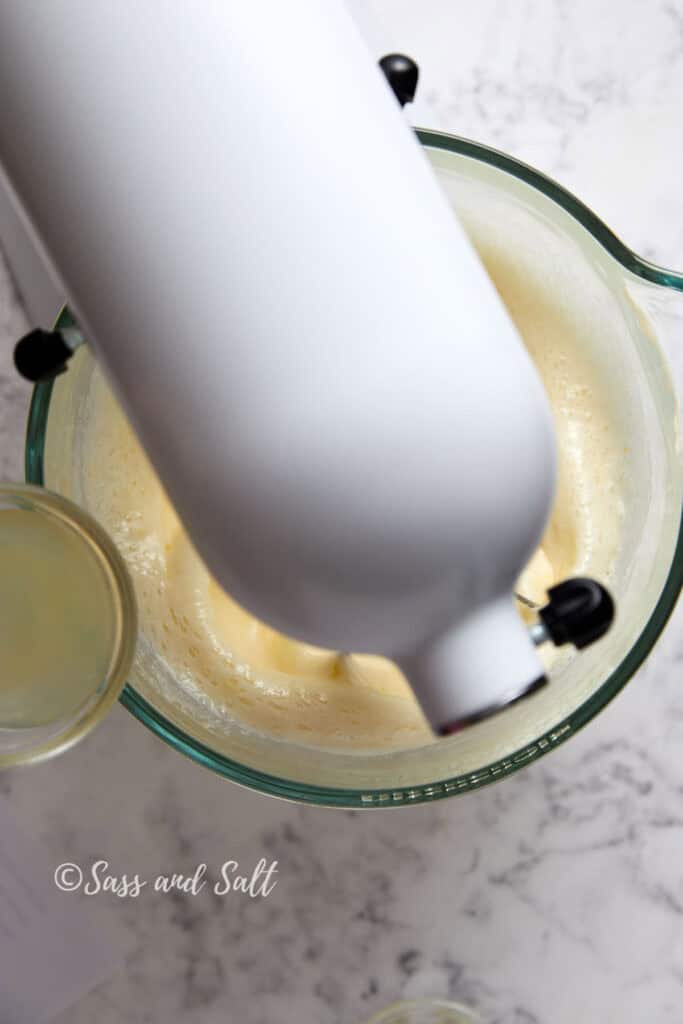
580,611
402,74
41,355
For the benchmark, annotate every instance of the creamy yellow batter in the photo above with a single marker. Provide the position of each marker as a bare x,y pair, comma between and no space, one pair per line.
294,691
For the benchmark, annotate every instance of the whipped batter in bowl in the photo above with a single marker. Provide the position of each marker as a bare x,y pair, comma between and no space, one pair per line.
249,673
282,715
293,691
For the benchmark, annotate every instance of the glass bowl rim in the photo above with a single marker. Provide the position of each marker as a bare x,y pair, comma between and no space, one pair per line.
387,797
467,1014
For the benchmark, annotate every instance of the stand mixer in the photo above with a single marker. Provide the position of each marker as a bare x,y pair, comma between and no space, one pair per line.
381,448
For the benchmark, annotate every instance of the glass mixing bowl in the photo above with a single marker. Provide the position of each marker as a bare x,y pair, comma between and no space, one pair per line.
632,307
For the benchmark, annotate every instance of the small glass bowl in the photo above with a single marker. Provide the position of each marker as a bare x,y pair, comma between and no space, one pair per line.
103,577
425,1011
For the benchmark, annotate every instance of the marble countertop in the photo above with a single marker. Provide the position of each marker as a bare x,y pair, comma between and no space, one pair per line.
553,897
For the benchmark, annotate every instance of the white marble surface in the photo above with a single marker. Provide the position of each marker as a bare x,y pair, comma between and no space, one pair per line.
554,897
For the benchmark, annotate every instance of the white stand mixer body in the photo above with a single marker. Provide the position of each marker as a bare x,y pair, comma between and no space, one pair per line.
312,354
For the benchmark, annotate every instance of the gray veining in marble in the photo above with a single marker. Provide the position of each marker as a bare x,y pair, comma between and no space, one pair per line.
552,898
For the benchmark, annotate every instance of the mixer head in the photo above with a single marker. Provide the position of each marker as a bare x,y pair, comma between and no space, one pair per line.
343,362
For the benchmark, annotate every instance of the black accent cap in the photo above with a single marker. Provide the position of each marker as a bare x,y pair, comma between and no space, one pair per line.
580,611
402,74
41,355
